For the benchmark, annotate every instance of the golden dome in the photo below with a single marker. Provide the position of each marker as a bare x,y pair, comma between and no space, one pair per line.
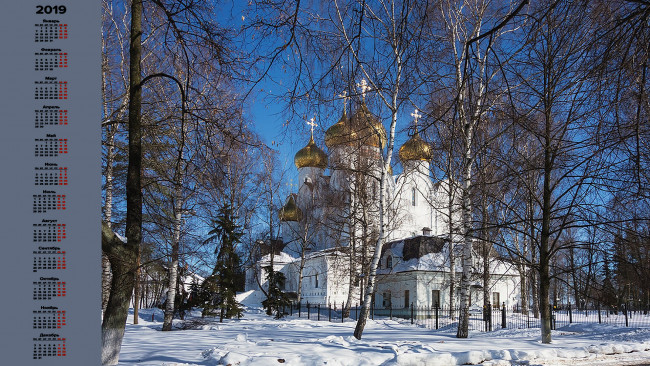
339,133
290,211
368,127
415,149
310,156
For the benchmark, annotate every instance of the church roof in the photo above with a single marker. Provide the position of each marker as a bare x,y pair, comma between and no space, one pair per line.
340,133
415,149
290,211
310,156
429,253
362,128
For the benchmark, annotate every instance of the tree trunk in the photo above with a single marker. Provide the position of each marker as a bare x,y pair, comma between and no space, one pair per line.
124,265
136,290
452,254
372,272
110,157
544,252
173,267
352,272
301,275
463,320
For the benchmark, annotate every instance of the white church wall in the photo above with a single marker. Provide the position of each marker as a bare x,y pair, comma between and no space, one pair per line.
314,282
338,278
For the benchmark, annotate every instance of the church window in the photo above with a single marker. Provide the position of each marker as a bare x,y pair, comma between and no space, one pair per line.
389,262
413,197
496,300
386,299
407,298
435,298
316,280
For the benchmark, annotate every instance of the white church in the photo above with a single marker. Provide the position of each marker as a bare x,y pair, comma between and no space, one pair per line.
331,224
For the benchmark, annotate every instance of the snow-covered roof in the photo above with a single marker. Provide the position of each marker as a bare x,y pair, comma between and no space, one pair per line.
429,253
282,257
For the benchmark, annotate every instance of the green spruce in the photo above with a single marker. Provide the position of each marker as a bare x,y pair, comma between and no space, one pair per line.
276,299
219,289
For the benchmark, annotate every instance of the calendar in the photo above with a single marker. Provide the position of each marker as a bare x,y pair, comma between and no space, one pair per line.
50,147
49,232
48,61
49,259
51,175
51,142
51,89
48,288
50,116
50,31
48,319
49,345
48,201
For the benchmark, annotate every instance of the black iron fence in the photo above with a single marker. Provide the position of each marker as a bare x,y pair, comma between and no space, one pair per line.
480,319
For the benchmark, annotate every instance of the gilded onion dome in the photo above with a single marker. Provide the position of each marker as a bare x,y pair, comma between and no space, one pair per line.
340,133
368,127
310,156
415,149
290,211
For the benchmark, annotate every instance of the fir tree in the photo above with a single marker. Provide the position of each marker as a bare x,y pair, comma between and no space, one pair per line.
276,298
219,289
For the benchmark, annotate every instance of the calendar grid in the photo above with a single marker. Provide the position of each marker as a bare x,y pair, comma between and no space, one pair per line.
51,90
48,32
49,347
49,61
47,290
50,147
51,176
50,117
48,319
49,232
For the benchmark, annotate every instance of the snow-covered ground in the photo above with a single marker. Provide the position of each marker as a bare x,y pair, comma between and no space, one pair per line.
257,339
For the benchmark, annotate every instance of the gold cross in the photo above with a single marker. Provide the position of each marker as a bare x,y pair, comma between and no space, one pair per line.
416,116
363,85
312,124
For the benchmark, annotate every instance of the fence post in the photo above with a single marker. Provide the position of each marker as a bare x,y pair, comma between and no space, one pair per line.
527,318
489,314
318,311
342,304
436,310
372,310
299,306
503,316
599,319
330,313
356,312
570,314
411,313
291,309
308,311
627,324
391,312
552,317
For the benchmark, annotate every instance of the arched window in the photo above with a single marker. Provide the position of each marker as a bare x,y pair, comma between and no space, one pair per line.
389,262
316,280
413,197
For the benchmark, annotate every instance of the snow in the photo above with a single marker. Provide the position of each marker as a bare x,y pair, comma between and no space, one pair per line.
257,339
278,258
